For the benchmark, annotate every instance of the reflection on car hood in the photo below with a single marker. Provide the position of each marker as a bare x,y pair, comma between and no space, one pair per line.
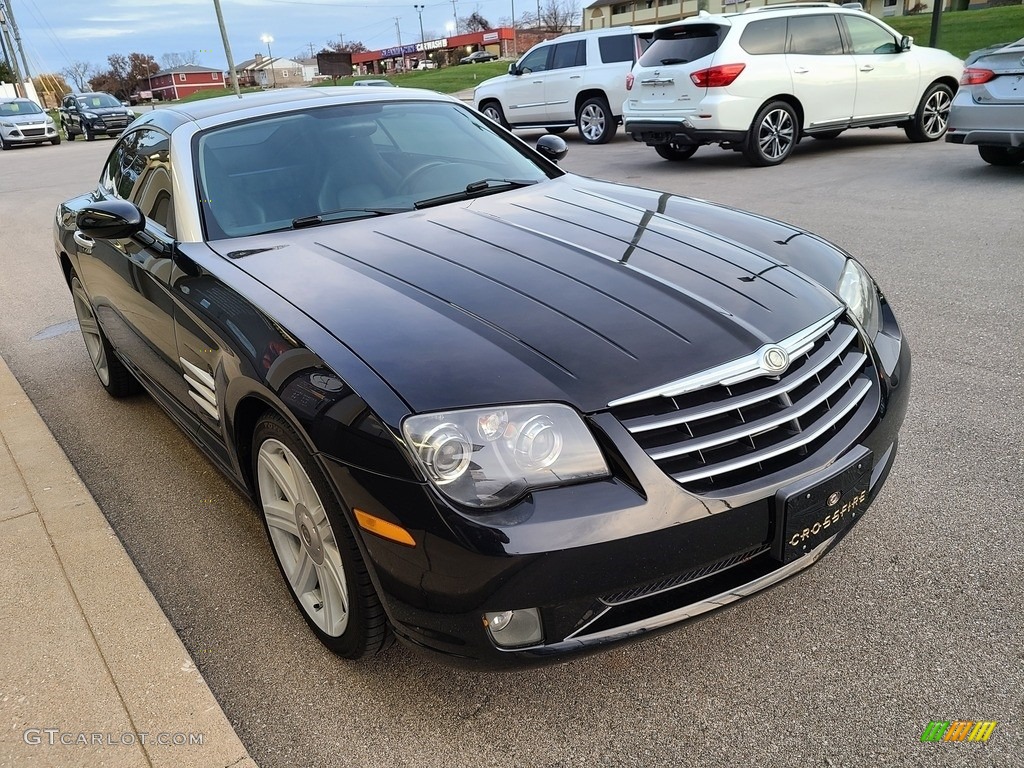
571,290
20,119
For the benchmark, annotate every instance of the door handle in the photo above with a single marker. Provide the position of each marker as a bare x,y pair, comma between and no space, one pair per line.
85,243
575,77
537,82
801,70
867,68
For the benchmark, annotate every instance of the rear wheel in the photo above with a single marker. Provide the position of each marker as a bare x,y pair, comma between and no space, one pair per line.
314,546
1002,155
492,110
929,122
595,121
112,373
772,135
677,152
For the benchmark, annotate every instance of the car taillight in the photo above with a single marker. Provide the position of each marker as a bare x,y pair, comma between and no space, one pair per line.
629,82
717,77
974,76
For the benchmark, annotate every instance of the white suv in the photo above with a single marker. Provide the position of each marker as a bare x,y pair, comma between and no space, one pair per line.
758,81
576,79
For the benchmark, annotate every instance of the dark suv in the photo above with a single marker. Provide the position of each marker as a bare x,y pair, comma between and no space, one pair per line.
92,115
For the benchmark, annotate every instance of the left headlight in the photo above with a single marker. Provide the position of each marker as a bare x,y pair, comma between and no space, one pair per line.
487,457
859,292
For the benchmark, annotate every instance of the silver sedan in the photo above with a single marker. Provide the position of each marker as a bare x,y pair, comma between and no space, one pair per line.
988,110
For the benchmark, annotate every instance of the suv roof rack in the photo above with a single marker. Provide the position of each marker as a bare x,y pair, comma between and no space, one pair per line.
781,6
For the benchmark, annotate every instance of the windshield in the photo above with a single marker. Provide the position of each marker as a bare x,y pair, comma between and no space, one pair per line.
15,108
97,101
352,161
682,44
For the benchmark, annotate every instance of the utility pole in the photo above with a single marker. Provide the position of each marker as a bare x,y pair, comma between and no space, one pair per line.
398,31
419,10
227,49
515,53
455,13
17,38
19,86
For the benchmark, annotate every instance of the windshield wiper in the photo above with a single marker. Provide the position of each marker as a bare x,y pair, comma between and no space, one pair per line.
326,216
475,189
666,62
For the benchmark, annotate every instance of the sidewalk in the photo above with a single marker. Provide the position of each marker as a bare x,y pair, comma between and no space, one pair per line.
91,671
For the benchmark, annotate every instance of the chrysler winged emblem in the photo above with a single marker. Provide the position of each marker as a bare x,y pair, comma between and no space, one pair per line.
775,359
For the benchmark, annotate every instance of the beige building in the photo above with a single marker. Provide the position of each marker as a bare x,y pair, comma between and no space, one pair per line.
621,13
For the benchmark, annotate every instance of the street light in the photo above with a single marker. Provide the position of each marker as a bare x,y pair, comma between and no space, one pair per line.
419,10
268,40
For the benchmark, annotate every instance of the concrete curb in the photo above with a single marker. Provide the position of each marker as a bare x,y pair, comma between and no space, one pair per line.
92,672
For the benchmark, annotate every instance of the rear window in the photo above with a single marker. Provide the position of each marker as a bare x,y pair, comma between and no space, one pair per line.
765,36
616,48
683,44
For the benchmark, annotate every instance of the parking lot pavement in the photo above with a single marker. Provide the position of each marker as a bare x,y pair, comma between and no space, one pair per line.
914,619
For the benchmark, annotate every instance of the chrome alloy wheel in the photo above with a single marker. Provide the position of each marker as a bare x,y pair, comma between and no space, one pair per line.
592,122
935,114
775,134
301,534
90,331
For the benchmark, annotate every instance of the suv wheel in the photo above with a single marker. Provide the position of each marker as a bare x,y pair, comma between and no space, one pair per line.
677,152
595,121
492,110
826,135
66,130
89,135
929,123
772,135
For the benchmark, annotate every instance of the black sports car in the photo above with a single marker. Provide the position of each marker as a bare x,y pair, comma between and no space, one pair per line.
486,406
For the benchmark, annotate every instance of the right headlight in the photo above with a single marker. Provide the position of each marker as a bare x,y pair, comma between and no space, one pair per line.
859,292
487,457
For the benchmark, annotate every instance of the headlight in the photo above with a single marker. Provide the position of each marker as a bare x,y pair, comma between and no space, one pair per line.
7,125
49,120
860,293
90,115
486,457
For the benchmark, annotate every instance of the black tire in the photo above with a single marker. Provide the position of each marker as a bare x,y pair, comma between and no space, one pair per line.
492,110
55,140
5,144
558,131
112,373
595,121
68,133
929,122
676,152
1004,156
305,524
89,135
826,135
772,136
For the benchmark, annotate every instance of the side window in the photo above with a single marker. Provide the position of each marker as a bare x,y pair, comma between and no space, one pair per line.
152,191
122,169
765,36
815,35
537,61
573,54
868,37
616,48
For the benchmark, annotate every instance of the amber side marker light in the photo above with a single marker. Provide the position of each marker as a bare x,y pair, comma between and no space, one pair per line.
383,528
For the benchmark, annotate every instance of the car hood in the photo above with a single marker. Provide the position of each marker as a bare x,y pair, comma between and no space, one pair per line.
23,119
571,290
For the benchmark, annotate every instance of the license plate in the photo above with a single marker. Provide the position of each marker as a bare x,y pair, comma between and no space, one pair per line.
820,506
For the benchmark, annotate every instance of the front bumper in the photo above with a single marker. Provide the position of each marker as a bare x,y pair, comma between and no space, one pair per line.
602,562
29,134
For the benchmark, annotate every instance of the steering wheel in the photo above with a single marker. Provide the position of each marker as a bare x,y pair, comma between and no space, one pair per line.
408,183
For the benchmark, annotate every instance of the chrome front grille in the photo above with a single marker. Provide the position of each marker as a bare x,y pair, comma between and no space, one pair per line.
723,435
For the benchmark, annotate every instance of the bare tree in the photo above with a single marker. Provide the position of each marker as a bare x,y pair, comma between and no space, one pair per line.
475,23
350,46
555,16
79,73
179,59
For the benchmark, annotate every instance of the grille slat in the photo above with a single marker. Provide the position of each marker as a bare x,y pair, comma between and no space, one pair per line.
718,436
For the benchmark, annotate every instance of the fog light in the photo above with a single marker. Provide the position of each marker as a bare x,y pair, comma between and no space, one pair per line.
514,629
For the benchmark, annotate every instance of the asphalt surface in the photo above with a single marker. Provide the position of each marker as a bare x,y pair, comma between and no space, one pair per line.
918,616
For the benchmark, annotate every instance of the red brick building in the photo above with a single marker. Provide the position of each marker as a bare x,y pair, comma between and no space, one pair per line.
504,42
178,82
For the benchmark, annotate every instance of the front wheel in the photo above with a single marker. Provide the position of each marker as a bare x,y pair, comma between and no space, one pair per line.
929,122
66,130
4,143
55,140
492,111
595,121
676,152
112,373
772,135
314,546
89,135
1004,156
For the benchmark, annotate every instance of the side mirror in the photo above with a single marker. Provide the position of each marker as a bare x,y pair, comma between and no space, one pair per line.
905,42
110,220
553,148
512,70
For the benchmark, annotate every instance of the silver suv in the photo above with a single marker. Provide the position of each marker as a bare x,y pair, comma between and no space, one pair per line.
576,79
759,81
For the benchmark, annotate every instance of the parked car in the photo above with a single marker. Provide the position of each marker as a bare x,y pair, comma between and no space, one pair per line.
759,81
477,56
424,64
576,79
503,412
22,121
988,110
375,83
92,115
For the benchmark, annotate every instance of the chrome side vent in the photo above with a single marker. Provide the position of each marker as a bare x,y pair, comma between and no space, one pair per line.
202,388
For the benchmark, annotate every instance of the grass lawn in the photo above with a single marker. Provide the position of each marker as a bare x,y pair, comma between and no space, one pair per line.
961,32
446,79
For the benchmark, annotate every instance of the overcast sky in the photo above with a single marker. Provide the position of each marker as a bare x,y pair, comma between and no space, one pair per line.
57,32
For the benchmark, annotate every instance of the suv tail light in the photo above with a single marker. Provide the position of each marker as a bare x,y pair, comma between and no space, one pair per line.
629,82
974,76
717,77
